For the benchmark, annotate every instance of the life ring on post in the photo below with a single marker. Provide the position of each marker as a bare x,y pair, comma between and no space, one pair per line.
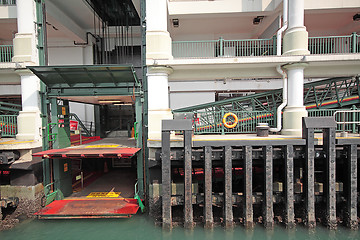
230,125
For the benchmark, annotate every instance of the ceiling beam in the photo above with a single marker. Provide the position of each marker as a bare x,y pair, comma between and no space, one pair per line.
64,23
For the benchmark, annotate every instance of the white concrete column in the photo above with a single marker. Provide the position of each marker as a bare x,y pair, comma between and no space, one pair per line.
30,87
158,41
296,13
296,37
295,82
295,42
29,120
25,39
25,16
295,110
158,99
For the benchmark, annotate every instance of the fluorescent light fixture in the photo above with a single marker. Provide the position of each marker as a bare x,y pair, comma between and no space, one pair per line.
109,101
123,104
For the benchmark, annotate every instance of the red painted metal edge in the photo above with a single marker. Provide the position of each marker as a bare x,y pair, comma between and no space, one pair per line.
89,208
88,153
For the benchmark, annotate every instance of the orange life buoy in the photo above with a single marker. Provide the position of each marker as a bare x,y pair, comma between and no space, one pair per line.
230,125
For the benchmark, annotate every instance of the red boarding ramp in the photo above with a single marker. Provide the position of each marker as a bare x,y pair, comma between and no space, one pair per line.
89,208
88,153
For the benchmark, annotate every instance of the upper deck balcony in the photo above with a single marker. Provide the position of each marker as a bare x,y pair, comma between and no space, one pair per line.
261,47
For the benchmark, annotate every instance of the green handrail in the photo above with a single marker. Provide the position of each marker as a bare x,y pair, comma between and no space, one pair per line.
8,125
6,53
50,196
137,197
51,136
135,131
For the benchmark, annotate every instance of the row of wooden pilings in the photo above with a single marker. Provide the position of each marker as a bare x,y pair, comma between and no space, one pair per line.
329,145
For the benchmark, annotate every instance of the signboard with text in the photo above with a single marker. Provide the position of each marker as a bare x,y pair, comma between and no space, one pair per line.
74,125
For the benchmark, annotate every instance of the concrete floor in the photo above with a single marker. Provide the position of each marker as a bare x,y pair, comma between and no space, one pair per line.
116,180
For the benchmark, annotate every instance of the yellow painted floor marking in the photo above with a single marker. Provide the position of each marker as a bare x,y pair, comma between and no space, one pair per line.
102,146
104,195
15,142
242,139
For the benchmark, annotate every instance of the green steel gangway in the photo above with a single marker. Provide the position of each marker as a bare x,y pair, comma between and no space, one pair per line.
321,98
9,108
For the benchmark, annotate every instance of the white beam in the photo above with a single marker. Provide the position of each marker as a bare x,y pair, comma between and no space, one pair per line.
330,65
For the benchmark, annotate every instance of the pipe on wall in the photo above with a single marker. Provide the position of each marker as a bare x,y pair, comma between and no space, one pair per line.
284,103
283,28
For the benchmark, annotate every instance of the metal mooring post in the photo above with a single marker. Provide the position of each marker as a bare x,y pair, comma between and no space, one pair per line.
350,145
352,220
308,134
208,212
329,146
228,203
167,126
268,187
289,186
248,206
166,179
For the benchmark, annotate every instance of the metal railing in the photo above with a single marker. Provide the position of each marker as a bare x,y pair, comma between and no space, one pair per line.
6,53
224,48
333,44
211,122
7,2
261,47
82,125
347,120
8,125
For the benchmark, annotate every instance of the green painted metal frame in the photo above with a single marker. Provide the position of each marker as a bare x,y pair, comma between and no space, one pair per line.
94,88
261,107
6,108
143,130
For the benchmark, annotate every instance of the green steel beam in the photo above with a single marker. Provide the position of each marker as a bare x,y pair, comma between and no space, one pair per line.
261,101
145,103
69,92
62,130
7,109
139,144
98,130
326,94
93,85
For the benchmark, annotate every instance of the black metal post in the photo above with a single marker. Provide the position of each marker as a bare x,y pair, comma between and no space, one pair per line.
188,208
248,195
309,177
289,185
352,187
329,147
268,187
208,214
228,208
166,180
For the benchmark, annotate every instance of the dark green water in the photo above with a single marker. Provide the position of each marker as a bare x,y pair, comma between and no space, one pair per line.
140,228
